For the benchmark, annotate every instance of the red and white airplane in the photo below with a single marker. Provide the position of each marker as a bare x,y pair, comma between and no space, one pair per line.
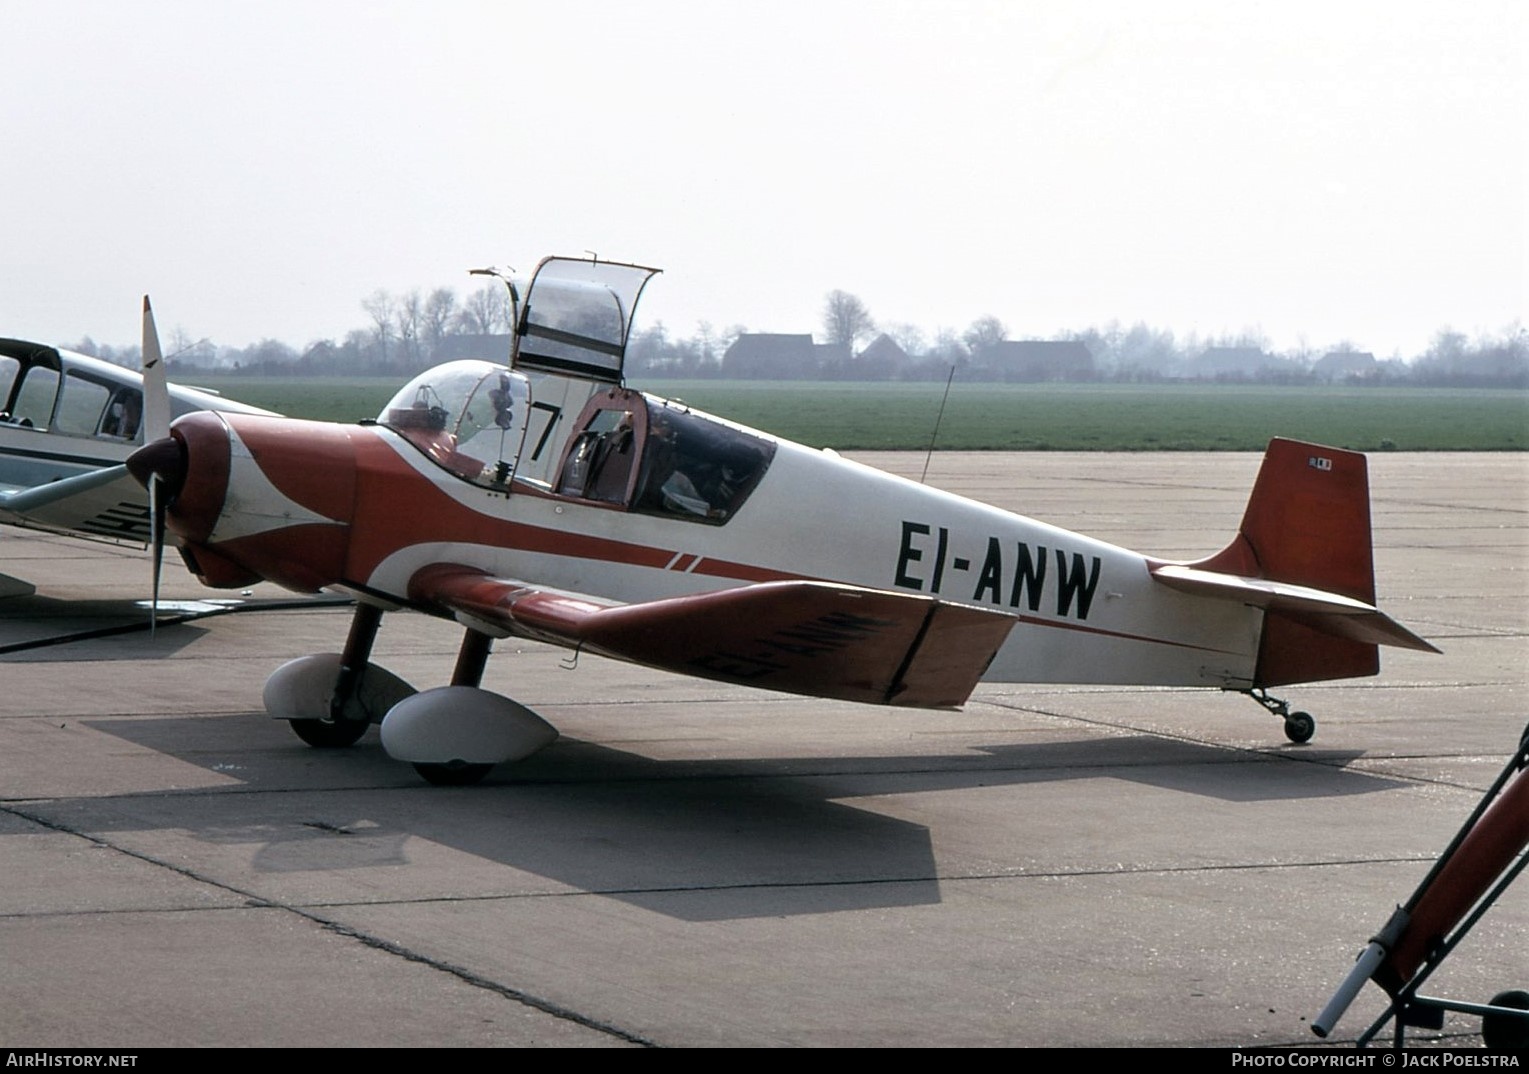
546,500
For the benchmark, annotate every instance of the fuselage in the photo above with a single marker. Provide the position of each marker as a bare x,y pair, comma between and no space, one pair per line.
366,508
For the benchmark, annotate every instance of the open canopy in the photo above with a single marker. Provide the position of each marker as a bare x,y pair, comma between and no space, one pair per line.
578,317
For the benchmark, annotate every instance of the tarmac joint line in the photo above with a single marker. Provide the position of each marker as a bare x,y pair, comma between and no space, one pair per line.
374,942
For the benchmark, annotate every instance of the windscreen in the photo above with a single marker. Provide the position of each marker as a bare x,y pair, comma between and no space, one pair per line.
469,417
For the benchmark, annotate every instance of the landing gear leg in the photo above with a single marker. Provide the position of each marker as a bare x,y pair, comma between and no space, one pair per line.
472,658
1299,726
330,699
358,650
341,728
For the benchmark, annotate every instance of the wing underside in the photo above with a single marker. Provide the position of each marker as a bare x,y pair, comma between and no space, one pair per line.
101,503
816,638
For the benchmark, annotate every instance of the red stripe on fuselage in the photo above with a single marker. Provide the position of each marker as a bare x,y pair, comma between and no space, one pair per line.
397,506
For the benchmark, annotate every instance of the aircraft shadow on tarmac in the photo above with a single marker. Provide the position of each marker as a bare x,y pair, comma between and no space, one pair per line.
39,629
694,839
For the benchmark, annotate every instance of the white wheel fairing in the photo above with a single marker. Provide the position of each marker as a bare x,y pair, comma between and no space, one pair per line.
463,724
301,689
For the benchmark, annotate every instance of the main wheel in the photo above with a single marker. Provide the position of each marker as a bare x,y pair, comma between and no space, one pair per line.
325,735
453,774
1299,727
1506,1032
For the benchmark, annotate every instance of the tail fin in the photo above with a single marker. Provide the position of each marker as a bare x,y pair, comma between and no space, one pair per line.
1303,554
1307,522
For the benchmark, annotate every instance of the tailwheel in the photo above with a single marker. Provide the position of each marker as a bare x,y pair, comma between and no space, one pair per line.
453,773
1299,727
324,734
1507,1032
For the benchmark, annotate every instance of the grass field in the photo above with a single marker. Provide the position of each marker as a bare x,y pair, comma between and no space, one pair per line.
1031,417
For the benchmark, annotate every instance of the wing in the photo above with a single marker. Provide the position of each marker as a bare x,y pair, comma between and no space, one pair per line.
102,503
815,638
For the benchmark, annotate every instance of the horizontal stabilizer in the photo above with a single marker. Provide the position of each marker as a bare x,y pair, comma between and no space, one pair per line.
815,638
1329,613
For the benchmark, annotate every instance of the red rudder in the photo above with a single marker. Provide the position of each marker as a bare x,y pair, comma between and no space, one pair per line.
1308,523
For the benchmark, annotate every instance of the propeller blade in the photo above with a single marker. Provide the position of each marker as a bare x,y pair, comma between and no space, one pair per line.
156,387
160,466
157,539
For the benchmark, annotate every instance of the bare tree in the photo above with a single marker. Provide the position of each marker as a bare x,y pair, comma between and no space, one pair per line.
353,352
409,314
910,337
984,334
846,320
440,311
1254,337
706,342
179,340
1144,349
486,311
1303,354
728,335
379,307
649,349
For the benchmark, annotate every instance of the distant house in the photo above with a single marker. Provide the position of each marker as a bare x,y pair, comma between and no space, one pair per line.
833,361
772,356
883,359
1343,365
1036,360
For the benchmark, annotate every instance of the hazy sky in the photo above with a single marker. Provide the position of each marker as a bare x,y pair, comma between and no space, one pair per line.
1322,170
